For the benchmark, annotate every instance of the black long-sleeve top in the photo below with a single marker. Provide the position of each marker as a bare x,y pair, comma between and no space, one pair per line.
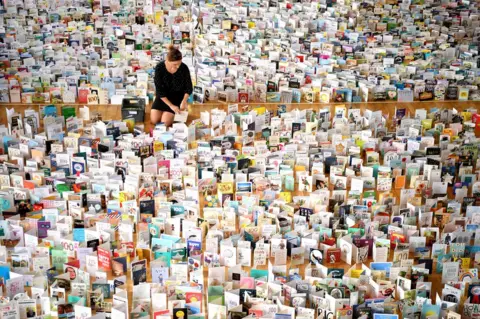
167,83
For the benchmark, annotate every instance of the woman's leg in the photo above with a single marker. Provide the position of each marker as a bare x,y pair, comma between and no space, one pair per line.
155,116
167,118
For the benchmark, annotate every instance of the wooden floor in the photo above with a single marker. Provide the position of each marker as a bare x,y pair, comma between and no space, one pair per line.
114,112
109,112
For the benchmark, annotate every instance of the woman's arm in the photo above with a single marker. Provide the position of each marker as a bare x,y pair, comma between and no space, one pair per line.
184,104
188,82
188,88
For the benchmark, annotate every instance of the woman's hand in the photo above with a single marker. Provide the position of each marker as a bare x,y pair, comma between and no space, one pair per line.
175,109
184,105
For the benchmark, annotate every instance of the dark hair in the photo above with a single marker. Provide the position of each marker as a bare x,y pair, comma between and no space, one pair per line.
173,54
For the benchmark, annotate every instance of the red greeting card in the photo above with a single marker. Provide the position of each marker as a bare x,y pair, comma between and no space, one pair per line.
194,297
333,255
104,258
83,95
